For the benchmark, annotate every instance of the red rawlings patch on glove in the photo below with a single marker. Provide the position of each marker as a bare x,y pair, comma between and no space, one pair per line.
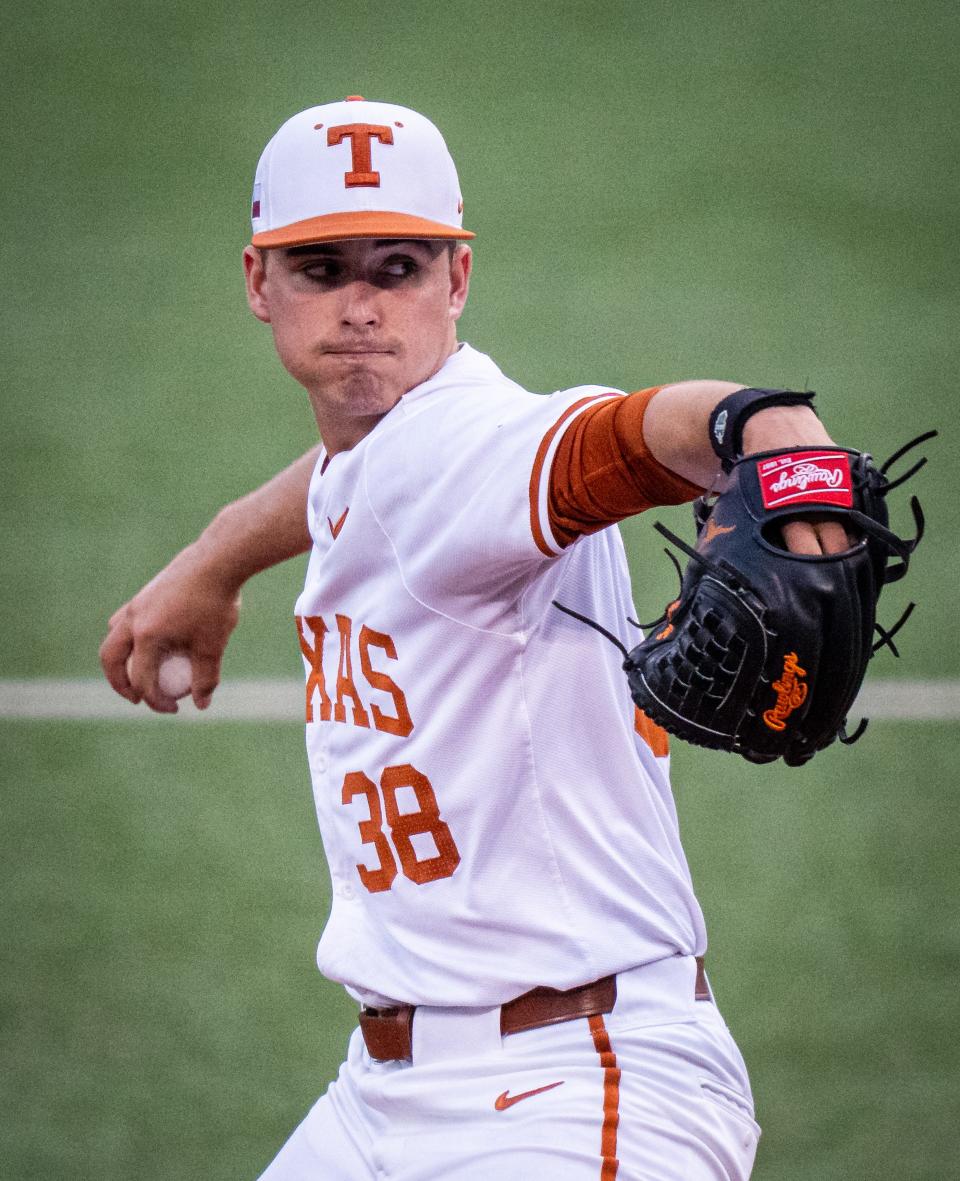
806,477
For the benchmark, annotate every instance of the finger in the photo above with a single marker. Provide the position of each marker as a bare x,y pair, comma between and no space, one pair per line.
833,537
800,537
118,616
114,653
206,677
143,669
206,661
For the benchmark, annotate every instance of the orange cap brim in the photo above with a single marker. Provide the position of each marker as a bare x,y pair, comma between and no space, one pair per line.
367,223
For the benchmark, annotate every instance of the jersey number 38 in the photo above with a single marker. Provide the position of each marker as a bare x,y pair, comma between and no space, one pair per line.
385,817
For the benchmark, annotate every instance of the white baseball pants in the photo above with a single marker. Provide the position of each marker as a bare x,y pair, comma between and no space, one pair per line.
654,1091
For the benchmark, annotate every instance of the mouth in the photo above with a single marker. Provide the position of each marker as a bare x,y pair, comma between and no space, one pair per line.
356,351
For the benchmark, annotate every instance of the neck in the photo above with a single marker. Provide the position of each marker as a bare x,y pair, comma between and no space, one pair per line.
342,430
343,435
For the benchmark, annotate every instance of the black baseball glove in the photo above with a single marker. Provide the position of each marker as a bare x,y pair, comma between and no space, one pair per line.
764,650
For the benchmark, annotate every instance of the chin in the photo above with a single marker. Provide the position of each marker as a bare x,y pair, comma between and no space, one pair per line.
367,394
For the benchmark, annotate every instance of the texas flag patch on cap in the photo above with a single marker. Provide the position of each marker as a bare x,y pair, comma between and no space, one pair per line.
806,477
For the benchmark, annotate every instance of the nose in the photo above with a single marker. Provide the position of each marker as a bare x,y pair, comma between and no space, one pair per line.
360,305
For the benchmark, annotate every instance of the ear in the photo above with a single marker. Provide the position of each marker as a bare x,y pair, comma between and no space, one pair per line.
460,267
255,274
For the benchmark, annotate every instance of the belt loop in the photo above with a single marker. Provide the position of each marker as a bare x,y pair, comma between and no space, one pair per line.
701,991
440,1034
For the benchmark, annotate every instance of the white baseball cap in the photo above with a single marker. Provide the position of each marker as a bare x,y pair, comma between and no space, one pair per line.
356,169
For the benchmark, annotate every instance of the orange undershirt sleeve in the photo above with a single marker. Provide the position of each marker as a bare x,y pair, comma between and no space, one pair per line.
603,470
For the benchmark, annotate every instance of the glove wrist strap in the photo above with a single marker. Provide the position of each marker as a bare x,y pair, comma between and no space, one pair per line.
731,413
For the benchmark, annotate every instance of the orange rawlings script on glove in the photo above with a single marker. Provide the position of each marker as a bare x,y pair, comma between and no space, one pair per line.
791,693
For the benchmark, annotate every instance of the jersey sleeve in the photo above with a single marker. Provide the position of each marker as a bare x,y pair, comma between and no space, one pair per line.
599,471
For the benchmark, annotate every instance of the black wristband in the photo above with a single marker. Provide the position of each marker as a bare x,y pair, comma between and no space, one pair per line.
731,413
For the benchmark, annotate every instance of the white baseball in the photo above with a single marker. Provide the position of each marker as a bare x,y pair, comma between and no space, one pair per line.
174,675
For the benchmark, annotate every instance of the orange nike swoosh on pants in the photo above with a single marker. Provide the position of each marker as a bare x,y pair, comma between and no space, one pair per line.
506,1100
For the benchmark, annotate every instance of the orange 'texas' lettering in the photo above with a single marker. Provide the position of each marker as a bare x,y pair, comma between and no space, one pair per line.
791,693
360,134
401,723
314,655
345,685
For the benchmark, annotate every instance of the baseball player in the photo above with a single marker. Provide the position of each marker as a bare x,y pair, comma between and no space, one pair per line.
512,909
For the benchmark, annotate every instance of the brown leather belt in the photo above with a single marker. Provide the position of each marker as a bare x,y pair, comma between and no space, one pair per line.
388,1033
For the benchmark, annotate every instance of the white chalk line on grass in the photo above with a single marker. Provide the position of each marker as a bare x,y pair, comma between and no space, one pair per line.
283,701
94,700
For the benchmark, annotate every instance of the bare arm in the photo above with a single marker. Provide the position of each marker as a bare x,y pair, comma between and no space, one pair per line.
675,430
193,603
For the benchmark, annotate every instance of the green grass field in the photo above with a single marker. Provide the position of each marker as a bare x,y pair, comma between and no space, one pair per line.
760,191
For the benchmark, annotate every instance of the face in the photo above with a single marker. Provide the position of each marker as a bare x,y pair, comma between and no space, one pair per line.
359,323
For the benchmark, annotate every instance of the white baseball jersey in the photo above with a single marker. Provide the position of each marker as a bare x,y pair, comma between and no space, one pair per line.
491,818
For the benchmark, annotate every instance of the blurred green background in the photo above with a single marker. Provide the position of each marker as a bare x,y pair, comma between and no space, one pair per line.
765,192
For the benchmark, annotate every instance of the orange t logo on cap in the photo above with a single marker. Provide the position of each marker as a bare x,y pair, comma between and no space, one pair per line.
360,134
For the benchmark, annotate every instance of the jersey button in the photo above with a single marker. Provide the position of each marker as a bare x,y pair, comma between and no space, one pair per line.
347,891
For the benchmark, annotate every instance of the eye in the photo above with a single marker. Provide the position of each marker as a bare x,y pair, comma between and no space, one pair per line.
325,269
399,266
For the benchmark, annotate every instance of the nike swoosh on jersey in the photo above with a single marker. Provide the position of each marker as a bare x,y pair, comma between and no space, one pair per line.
335,528
502,1102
